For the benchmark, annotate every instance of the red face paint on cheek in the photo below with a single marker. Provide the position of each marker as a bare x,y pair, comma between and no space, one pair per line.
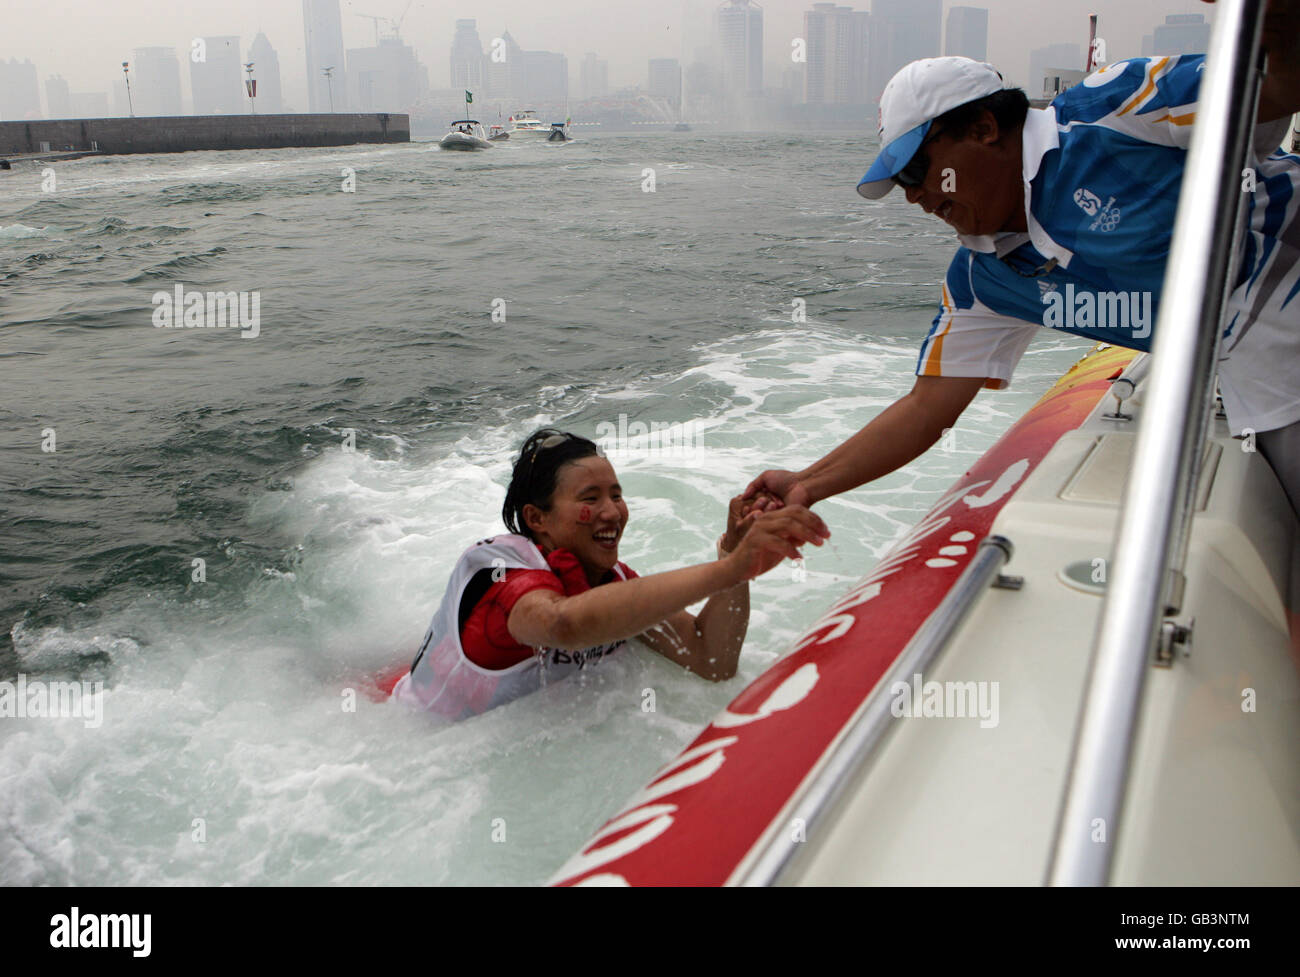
584,514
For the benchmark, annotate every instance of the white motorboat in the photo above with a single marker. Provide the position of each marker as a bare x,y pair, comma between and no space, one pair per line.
559,133
527,123
496,133
465,134
1053,678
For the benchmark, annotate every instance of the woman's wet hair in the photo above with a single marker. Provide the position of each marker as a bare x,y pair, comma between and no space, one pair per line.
537,471
1009,108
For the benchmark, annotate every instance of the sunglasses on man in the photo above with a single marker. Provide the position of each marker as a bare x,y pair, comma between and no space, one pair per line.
913,174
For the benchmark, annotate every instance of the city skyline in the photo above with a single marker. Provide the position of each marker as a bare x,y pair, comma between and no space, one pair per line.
429,34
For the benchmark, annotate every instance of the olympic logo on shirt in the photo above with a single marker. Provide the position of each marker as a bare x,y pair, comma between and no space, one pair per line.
1108,215
1109,218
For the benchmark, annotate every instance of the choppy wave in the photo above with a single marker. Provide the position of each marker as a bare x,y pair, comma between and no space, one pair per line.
20,232
170,269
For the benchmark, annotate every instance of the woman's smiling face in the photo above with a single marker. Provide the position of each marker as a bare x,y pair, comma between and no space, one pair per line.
586,517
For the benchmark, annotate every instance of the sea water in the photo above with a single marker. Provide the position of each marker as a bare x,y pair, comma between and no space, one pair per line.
235,534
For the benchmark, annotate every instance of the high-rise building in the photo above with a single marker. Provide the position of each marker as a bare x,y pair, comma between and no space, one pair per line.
545,76
703,80
902,31
1053,57
838,43
58,99
216,82
1181,34
529,76
739,26
323,30
20,91
266,69
1057,80
502,77
967,33
385,78
93,105
593,77
466,56
156,81
665,80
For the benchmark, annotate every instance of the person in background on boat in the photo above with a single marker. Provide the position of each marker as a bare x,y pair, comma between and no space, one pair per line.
1076,198
555,583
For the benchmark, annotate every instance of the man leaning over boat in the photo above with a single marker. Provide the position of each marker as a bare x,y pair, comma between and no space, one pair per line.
1066,210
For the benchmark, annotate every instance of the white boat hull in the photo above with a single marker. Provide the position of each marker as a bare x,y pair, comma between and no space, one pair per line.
1214,788
462,141
969,792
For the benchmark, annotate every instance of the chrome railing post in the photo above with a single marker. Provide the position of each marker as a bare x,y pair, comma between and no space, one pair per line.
1170,438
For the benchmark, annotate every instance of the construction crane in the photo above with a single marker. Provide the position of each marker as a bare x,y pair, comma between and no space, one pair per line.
376,22
396,25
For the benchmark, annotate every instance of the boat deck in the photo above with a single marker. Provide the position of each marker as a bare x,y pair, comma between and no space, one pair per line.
949,801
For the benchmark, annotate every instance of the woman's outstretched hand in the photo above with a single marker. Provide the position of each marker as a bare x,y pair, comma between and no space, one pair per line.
774,536
738,523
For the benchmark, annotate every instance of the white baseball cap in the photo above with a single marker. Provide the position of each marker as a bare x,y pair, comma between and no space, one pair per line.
916,96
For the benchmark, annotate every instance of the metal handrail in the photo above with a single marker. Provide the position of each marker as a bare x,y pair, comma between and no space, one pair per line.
774,855
1125,386
1158,501
1132,377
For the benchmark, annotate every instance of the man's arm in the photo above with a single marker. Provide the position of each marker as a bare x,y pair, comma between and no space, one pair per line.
899,434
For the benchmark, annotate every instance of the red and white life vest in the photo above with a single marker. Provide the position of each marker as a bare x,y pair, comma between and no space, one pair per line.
443,680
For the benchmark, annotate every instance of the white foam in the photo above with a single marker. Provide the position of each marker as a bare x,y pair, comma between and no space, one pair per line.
20,232
230,709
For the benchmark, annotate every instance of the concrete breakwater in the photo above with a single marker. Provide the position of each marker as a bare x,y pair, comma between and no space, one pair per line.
183,133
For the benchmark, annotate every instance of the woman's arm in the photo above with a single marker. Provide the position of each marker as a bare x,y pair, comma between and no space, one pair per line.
709,643
621,610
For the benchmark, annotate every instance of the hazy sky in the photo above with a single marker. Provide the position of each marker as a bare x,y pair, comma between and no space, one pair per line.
87,40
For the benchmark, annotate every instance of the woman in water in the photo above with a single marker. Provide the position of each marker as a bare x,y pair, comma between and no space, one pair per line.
551,596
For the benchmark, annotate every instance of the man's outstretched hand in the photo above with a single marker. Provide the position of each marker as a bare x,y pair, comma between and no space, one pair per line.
775,489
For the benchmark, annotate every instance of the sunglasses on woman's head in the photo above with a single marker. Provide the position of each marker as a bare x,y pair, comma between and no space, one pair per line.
548,443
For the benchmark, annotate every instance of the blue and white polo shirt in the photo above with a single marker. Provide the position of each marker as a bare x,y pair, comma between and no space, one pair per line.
1103,165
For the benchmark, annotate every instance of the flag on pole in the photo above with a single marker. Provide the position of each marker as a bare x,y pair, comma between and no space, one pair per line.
469,97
